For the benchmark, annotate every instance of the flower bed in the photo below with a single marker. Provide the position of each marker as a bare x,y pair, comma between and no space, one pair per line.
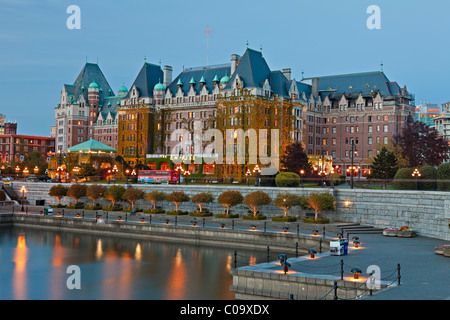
390,232
406,232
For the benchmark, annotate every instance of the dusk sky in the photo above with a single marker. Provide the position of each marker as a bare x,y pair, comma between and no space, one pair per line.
39,53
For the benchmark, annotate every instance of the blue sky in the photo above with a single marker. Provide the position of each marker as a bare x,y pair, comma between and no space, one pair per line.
38,53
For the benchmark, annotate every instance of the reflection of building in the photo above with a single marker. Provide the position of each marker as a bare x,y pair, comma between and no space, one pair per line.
13,146
426,112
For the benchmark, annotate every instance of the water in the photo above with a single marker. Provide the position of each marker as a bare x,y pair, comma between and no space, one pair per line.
34,264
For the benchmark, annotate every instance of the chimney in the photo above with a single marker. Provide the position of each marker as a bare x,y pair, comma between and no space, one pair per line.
315,87
167,75
234,63
287,73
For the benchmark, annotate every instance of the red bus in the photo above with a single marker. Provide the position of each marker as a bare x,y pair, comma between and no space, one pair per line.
158,176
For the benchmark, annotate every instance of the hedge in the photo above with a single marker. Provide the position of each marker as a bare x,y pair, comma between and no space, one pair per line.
287,179
443,177
403,179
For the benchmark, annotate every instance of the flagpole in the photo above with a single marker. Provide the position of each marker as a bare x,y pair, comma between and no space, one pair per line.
207,44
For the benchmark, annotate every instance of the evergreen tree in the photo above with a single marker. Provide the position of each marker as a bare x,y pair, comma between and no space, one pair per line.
384,166
294,159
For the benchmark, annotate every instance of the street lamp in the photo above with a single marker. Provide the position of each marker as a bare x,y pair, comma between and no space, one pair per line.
186,173
416,174
302,172
247,174
127,171
75,171
133,173
179,169
25,172
23,190
114,170
257,170
353,154
36,169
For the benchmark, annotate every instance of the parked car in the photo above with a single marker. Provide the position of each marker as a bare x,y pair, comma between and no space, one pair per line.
7,179
32,179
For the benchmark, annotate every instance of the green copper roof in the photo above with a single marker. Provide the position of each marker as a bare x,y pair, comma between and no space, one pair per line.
192,81
216,78
159,86
179,83
123,89
91,146
93,85
202,80
225,79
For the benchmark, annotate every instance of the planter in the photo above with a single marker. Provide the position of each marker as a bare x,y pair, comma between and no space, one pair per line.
441,249
390,232
446,253
406,234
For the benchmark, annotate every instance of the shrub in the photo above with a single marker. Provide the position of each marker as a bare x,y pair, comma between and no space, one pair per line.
443,177
428,179
227,215
254,217
287,179
403,179
112,208
255,200
93,207
201,214
319,220
230,198
284,219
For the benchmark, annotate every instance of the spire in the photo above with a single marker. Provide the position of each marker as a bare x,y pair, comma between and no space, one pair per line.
381,64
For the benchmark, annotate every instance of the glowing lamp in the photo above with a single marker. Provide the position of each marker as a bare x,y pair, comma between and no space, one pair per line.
194,223
356,272
59,214
167,221
356,243
119,218
41,213
253,227
222,225
142,219
339,235
283,262
315,231
98,217
355,238
285,229
78,215
312,252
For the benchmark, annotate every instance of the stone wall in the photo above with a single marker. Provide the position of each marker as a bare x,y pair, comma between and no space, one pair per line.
425,211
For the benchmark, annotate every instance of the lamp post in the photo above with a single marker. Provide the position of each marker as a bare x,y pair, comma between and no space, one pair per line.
179,169
352,166
416,174
114,170
186,174
257,171
133,173
23,190
17,172
75,171
302,172
36,169
127,171
247,174
25,172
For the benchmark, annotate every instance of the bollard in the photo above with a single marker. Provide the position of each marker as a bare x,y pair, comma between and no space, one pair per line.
335,290
342,269
176,220
235,259
398,273
268,254
203,222
296,249
298,229
324,232
264,226
320,245
232,224
150,219
291,296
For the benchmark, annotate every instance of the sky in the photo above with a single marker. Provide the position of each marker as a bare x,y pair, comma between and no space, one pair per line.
39,53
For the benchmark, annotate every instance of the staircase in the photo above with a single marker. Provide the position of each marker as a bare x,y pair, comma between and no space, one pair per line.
356,228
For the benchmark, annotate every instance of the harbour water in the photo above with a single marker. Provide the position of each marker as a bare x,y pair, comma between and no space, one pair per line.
34,265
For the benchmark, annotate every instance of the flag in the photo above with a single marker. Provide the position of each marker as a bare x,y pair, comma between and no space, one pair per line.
208,31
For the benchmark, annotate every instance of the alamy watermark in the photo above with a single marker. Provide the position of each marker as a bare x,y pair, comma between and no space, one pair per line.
74,20
374,21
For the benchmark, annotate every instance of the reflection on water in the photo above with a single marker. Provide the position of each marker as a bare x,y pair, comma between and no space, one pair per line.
33,265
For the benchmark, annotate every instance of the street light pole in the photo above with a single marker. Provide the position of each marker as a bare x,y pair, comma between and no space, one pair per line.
352,166
416,173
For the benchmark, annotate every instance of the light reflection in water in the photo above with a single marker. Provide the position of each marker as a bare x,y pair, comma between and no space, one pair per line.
20,276
112,268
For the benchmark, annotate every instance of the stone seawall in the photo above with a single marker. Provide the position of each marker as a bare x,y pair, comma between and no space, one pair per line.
425,211
178,233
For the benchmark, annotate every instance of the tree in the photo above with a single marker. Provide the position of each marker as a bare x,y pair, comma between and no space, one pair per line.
132,195
95,192
58,191
154,197
286,201
294,159
202,198
177,197
87,170
76,191
114,194
422,145
230,198
320,201
443,176
403,179
428,178
384,166
255,200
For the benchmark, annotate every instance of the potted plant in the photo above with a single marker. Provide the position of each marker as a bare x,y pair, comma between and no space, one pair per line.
390,232
406,232
443,249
